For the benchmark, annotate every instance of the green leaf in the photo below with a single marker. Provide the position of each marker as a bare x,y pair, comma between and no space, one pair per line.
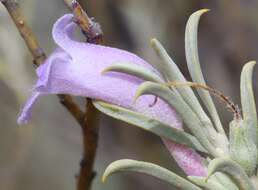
225,180
149,124
171,72
135,70
193,63
232,169
150,169
209,184
242,148
193,123
248,101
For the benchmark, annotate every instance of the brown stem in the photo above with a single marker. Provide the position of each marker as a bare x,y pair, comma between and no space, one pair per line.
91,29
81,16
13,8
90,141
73,108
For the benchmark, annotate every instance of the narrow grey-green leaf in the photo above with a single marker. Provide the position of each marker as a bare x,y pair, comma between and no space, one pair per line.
149,124
209,184
242,148
248,101
232,169
197,127
135,70
225,180
193,63
171,72
150,169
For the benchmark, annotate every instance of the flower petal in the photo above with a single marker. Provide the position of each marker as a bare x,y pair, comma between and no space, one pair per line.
25,115
63,34
64,37
75,68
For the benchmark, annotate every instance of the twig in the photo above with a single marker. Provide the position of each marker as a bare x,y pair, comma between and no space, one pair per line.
90,29
83,20
72,107
90,133
13,8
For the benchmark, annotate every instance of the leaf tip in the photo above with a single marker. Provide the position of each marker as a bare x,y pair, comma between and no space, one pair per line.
252,62
104,71
141,90
153,42
202,11
137,95
199,13
103,178
205,10
108,171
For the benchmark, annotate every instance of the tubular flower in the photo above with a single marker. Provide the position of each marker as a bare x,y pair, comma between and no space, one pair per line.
76,68
158,99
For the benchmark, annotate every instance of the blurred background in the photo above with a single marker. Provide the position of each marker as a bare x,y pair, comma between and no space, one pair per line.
45,154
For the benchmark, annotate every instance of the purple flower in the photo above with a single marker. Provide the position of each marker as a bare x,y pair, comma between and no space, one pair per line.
75,68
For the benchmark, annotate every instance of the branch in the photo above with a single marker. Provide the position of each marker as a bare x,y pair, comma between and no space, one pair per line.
90,29
13,8
90,133
81,16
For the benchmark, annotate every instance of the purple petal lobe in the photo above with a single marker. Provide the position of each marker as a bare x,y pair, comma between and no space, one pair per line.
63,34
75,68
25,115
